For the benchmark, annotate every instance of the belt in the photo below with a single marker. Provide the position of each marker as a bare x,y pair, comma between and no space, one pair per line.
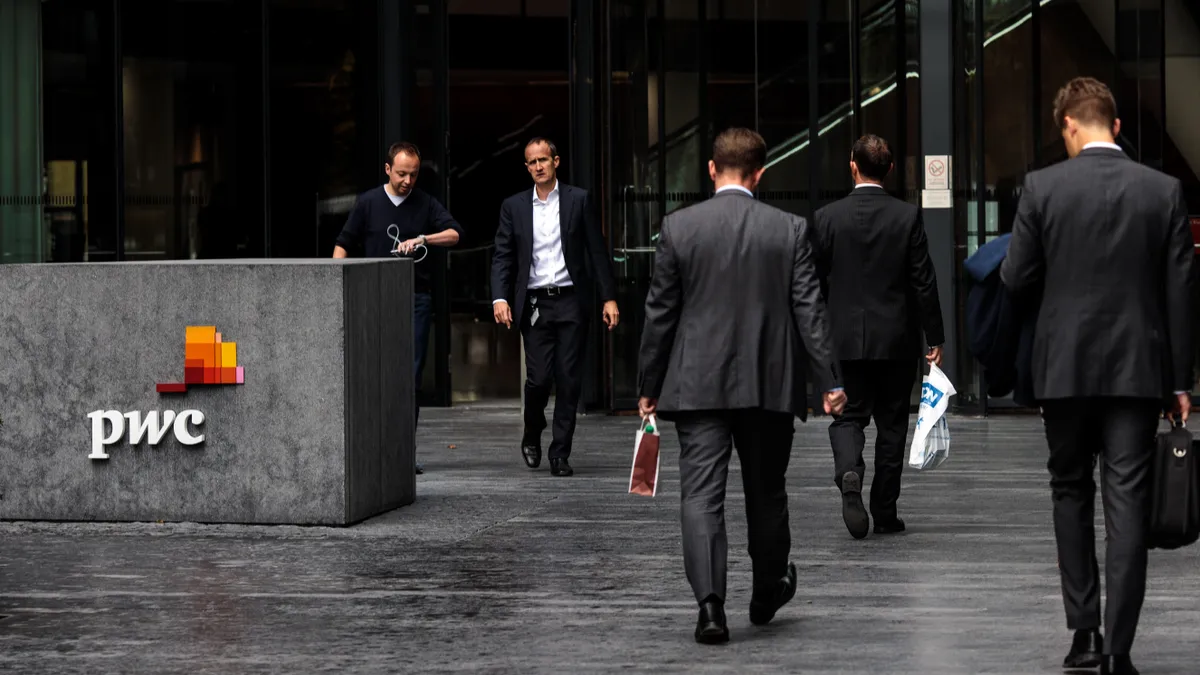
550,291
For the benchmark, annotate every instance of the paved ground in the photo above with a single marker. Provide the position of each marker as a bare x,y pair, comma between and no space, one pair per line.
499,569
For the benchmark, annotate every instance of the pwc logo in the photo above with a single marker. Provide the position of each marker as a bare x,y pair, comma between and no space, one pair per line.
207,361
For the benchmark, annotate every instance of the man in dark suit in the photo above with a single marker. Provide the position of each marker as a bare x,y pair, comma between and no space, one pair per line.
1105,243
550,260
874,259
733,318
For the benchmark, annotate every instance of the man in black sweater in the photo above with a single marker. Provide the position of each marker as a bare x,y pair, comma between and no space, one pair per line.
415,219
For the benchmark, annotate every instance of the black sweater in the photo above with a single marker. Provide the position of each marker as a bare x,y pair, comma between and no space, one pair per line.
366,230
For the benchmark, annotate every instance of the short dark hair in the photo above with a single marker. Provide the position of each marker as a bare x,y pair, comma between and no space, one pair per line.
549,143
1085,99
739,150
401,147
873,156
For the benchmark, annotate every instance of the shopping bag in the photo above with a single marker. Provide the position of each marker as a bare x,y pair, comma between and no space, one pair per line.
643,477
1175,497
931,441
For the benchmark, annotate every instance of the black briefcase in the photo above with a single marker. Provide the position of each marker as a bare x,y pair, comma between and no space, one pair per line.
1175,494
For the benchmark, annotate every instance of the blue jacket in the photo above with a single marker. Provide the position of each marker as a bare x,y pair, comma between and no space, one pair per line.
999,331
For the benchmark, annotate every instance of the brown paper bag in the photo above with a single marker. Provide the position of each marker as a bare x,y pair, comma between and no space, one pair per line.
643,478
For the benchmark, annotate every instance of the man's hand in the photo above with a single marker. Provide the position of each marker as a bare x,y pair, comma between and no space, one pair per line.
611,316
1181,407
406,247
647,406
934,357
835,402
503,313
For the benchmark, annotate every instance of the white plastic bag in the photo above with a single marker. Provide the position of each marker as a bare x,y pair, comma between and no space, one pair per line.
931,441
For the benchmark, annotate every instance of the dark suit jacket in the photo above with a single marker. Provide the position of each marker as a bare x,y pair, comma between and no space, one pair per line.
588,261
874,259
999,332
1106,242
734,313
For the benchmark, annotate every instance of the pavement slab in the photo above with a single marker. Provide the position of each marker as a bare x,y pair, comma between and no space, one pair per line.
500,569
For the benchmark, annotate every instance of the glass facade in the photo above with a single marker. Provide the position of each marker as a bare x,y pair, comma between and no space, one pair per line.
174,129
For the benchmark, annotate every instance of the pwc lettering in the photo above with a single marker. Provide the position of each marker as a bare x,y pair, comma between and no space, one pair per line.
207,361
139,428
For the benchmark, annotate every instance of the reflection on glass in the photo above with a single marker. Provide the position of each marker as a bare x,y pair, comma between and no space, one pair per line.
185,120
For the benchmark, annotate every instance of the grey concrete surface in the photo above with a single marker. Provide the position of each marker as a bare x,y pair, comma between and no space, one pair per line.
499,569
297,443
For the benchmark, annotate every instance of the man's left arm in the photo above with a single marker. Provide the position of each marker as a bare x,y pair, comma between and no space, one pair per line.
601,262
923,280
1180,255
440,229
808,313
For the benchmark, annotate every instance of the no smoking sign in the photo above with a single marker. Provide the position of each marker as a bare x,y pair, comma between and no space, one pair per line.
937,172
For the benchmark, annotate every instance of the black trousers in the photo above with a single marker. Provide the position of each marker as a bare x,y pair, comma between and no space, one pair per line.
764,444
554,345
879,390
1120,432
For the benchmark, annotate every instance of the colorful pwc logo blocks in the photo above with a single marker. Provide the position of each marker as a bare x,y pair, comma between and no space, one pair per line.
206,361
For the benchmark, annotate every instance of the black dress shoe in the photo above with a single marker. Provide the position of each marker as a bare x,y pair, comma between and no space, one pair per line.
1086,649
1117,665
420,469
892,526
853,511
765,602
560,467
532,452
711,628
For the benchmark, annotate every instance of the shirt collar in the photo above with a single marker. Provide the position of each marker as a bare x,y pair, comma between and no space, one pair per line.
552,192
868,185
1101,144
731,188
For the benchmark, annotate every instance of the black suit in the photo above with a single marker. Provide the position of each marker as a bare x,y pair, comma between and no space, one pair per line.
1105,243
554,343
874,259
733,319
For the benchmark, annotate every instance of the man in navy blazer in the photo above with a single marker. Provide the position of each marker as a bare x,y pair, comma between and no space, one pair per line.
549,263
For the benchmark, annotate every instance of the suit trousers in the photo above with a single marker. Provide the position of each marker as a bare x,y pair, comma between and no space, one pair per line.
879,390
554,349
764,444
1120,432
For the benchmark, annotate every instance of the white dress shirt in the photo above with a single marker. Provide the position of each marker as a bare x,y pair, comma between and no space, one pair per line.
1101,144
549,265
739,188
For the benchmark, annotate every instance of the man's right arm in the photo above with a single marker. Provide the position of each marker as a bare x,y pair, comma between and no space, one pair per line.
503,266
1024,268
664,304
352,232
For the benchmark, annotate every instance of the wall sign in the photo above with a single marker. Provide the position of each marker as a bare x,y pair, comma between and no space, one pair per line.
207,360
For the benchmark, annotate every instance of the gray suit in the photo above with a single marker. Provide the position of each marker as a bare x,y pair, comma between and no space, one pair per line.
734,317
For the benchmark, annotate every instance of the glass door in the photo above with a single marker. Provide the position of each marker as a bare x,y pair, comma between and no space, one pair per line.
655,137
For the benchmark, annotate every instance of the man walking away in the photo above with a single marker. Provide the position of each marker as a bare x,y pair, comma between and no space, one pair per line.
725,361
1105,243
882,293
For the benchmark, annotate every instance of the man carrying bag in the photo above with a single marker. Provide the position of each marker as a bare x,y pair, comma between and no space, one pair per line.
1105,243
